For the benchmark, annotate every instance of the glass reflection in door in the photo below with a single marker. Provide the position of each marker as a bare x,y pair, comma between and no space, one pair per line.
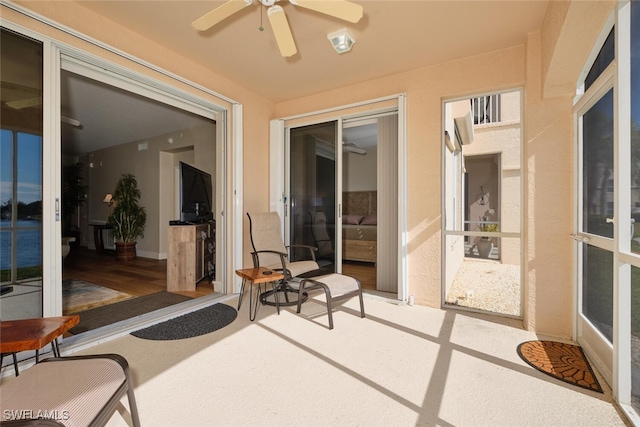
21,177
313,192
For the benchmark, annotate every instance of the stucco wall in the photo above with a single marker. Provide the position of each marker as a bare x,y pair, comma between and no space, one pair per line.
425,88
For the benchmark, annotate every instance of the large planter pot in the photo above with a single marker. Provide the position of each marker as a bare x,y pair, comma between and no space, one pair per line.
484,246
125,251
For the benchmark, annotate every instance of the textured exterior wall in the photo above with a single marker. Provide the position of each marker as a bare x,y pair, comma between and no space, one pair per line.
548,144
425,88
568,34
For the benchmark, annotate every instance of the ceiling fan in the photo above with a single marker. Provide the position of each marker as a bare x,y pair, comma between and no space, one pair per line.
341,9
353,148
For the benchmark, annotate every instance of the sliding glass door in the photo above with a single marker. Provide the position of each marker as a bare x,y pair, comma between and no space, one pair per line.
313,158
21,192
342,180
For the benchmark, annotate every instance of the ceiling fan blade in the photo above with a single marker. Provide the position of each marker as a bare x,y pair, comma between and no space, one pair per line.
70,121
341,9
282,31
25,103
220,13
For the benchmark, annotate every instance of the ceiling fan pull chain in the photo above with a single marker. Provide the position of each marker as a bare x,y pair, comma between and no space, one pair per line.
261,28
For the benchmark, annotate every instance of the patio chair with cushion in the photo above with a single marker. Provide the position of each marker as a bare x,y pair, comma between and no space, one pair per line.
322,238
69,391
270,251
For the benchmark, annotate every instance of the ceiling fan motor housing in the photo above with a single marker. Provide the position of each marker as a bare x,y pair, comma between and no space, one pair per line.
341,9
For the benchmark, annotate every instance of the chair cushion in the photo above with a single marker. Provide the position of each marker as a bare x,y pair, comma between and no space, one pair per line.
266,236
75,390
338,284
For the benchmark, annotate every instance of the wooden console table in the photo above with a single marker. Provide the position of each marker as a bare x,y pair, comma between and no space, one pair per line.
189,259
98,238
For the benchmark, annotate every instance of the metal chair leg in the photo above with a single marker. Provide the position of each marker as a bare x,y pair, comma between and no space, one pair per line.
275,293
15,362
241,293
55,348
253,305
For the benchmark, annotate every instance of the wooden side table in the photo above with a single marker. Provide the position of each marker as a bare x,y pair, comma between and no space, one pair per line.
258,276
33,334
98,238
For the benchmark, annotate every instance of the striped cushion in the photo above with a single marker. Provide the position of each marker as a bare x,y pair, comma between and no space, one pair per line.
72,392
338,284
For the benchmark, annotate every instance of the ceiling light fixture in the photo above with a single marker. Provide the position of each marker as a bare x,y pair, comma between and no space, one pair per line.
341,40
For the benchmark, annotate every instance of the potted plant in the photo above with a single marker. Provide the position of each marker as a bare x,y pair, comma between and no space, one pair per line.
128,218
485,245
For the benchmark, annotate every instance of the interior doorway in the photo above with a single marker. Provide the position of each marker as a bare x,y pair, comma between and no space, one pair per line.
482,204
114,125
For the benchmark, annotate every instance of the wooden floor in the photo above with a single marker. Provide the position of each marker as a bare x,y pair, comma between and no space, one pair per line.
364,271
144,276
141,276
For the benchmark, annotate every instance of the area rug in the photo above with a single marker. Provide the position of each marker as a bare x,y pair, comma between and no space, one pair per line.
112,313
78,295
565,362
190,325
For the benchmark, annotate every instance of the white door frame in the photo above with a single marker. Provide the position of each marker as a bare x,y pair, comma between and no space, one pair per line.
53,52
277,182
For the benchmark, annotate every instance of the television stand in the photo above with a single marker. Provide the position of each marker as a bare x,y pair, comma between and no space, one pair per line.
191,255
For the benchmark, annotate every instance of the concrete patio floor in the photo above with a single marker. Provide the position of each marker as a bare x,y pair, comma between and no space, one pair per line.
400,366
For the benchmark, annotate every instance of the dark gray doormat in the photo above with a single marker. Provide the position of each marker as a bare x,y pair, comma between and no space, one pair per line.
190,325
112,313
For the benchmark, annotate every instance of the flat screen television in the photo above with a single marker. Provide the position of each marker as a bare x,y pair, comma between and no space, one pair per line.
195,194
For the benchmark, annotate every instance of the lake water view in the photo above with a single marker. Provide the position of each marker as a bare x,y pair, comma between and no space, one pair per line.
29,243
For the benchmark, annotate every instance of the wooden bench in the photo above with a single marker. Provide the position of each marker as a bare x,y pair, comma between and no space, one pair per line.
68,391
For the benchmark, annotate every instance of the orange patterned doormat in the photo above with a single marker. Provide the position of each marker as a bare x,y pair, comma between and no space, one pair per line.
565,362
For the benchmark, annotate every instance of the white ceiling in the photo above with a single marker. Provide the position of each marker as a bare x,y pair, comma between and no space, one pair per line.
110,116
393,36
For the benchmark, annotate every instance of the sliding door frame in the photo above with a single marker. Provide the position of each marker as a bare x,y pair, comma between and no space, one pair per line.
279,129
224,109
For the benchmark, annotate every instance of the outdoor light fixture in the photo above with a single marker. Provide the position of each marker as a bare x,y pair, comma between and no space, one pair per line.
341,40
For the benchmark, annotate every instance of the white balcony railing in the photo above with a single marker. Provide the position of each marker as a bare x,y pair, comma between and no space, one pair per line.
486,109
